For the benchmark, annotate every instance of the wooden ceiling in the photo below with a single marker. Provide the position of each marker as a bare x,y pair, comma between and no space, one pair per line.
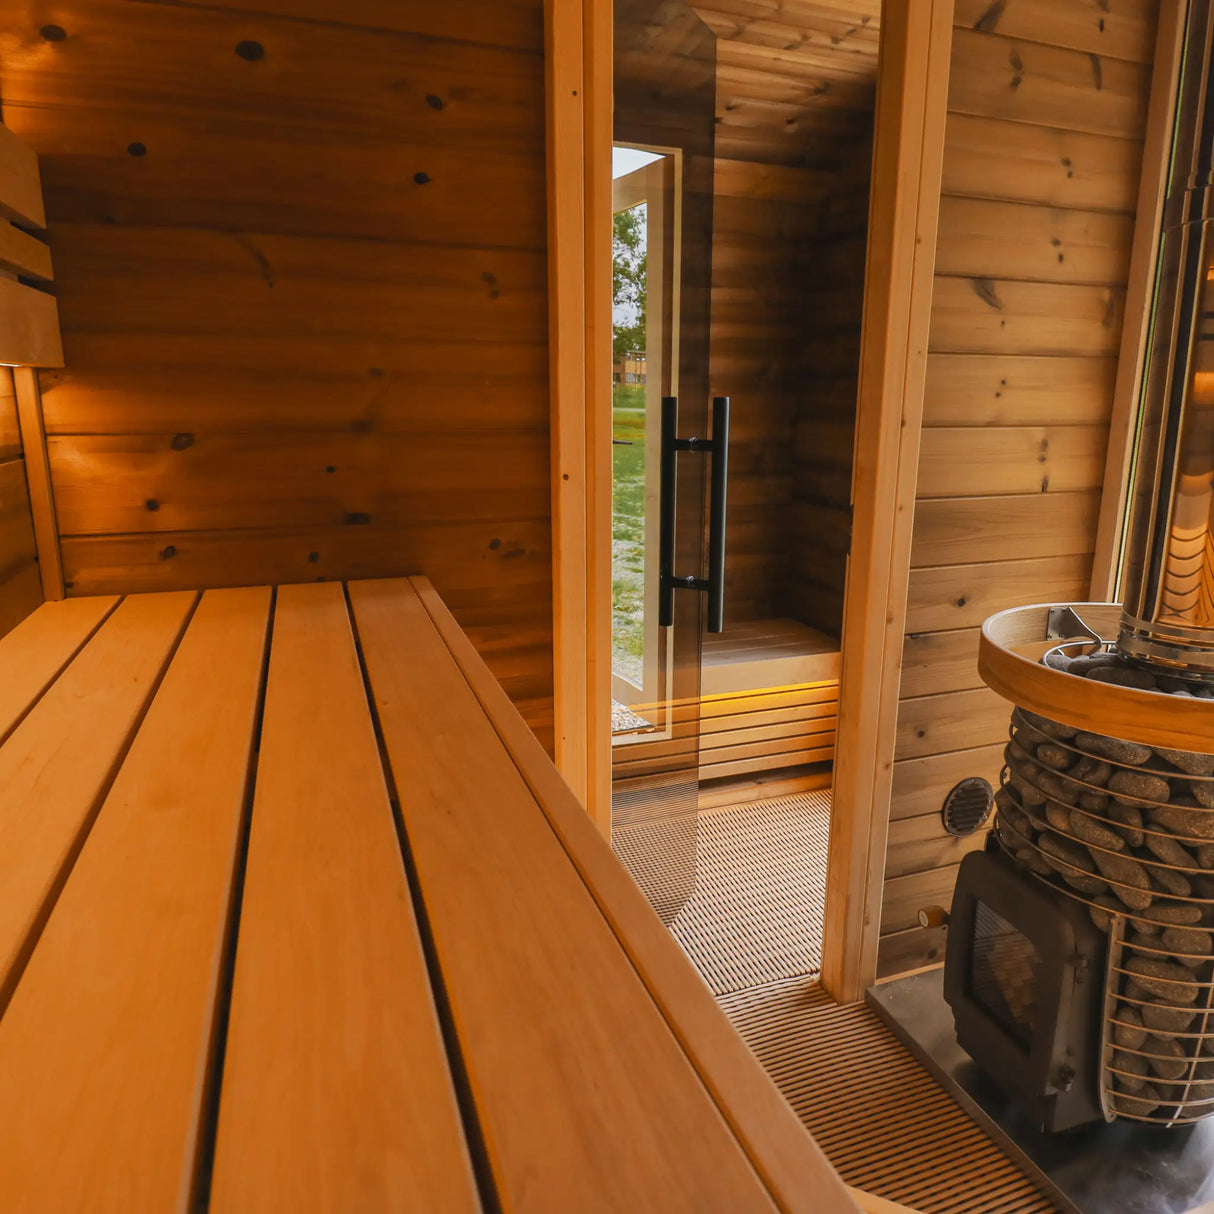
796,79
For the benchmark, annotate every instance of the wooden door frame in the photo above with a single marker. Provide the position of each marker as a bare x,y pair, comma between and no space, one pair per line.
916,41
904,205
578,70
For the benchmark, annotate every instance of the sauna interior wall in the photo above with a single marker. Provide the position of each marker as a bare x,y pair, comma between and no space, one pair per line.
20,587
300,255
795,97
1043,151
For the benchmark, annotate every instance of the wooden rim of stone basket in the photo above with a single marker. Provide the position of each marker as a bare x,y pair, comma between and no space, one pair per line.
1149,717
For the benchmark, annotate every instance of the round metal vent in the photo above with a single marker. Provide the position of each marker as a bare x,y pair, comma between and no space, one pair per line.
967,806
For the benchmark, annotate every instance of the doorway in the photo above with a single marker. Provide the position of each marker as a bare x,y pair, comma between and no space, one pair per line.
744,280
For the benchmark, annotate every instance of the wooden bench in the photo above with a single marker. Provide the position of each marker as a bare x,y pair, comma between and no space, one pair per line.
297,914
770,698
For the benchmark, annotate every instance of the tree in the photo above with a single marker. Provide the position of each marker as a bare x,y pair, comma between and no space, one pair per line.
629,281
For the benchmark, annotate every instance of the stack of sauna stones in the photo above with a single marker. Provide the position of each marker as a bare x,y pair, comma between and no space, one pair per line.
1129,829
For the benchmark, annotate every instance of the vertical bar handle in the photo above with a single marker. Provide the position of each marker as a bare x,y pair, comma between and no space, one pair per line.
666,511
716,513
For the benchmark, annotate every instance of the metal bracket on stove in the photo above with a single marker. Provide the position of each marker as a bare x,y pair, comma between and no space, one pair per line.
1065,623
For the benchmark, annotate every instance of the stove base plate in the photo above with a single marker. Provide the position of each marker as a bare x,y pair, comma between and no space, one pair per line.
1123,1168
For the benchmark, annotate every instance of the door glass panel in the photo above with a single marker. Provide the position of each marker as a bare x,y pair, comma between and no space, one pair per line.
665,102
645,344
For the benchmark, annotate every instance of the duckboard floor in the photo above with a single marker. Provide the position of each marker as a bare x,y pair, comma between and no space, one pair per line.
752,924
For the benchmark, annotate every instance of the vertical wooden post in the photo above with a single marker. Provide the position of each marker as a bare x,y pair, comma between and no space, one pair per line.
38,475
1123,425
579,65
912,97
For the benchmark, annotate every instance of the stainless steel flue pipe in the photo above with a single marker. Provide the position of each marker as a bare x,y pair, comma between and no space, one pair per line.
1168,616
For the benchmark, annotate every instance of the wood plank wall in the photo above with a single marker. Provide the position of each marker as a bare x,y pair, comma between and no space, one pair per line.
301,262
819,523
765,217
1043,151
20,586
795,101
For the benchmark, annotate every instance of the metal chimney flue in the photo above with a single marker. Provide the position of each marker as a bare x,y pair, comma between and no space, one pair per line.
1168,603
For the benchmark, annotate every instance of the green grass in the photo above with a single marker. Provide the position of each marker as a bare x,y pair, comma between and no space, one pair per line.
628,531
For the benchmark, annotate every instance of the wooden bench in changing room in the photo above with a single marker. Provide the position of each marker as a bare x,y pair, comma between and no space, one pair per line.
296,914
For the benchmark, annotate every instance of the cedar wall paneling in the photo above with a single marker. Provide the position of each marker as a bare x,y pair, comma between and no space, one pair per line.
765,217
819,524
795,99
1043,151
20,587
300,250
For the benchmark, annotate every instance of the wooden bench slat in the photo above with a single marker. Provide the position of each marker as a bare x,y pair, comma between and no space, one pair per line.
58,762
336,1092
786,1156
105,1046
584,1097
20,184
34,653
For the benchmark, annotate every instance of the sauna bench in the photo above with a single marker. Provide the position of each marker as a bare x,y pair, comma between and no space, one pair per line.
297,914
769,698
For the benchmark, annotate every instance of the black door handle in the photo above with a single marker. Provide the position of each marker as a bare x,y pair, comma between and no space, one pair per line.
716,514
718,448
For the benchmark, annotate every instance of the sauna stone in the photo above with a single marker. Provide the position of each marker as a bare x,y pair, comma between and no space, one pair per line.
1090,770
1092,661
1187,761
1203,790
1160,1018
1170,852
1096,801
1133,1068
1164,880
1106,906
1130,817
1033,859
1141,1104
1118,751
1170,912
1058,816
1028,738
1128,878
1130,1033
1054,785
1072,863
1188,940
1181,819
1057,758
1139,786
1084,826
1172,1062
1123,676
1023,782
1164,979
1052,729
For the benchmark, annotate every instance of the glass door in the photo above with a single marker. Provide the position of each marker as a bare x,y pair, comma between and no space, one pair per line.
665,95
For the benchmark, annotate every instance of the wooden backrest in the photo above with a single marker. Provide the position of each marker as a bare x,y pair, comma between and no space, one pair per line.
29,318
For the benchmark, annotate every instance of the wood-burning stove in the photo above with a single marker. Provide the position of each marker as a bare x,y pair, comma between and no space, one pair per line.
1025,978
1106,810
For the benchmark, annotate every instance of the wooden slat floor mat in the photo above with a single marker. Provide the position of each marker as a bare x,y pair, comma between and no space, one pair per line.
756,914
882,1120
753,927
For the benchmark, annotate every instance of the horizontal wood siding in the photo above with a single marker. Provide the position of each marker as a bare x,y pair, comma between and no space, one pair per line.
820,522
20,585
301,260
1043,150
